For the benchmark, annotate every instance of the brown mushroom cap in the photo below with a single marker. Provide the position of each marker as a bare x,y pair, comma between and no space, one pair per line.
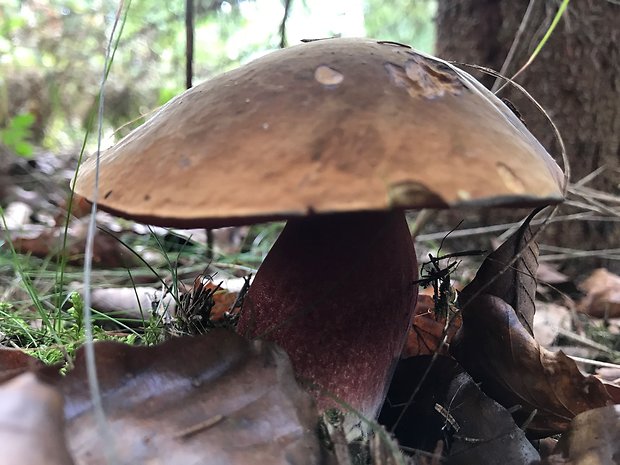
323,127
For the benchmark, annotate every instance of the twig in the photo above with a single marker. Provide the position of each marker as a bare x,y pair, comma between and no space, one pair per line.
588,192
287,10
541,44
514,45
597,363
587,342
197,428
590,207
589,177
189,43
584,216
564,253
422,218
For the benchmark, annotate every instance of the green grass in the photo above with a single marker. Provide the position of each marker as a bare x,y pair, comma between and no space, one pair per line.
47,320
57,342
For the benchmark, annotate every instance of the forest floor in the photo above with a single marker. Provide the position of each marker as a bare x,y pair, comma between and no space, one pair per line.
150,285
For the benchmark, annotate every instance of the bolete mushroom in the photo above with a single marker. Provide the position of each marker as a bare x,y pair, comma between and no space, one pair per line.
337,136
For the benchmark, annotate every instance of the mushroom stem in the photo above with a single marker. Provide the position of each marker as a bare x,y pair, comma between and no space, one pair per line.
336,292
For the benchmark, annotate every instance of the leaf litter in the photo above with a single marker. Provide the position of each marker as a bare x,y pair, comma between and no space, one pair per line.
450,408
602,297
428,330
592,439
216,399
496,345
539,391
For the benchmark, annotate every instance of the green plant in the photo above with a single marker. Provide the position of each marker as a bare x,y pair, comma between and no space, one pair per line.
16,133
59,343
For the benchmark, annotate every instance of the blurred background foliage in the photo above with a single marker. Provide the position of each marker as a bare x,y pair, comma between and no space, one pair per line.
52,51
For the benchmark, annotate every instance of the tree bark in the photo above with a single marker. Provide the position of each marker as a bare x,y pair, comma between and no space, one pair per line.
576,78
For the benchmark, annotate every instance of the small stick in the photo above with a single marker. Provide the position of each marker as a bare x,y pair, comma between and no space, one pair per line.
594,362
203,425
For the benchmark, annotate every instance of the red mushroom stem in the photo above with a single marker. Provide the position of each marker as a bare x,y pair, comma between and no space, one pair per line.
336,292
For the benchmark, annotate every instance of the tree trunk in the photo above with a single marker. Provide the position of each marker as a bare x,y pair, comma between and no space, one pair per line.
576,78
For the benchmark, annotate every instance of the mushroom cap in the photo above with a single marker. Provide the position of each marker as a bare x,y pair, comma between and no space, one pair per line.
327,126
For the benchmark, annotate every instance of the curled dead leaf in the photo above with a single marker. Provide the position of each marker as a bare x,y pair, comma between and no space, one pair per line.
546,388
514,283
427,329
216,399
14,362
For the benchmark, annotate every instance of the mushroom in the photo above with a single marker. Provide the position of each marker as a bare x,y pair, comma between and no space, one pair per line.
339,137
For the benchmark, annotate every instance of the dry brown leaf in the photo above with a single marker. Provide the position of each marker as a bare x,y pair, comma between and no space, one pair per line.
427,330
613,389
549,274
13,362
549,320
107,252
516,285
495,348
130,302
80,207
602,298
592,439
222,298
31,423
215,399
449,407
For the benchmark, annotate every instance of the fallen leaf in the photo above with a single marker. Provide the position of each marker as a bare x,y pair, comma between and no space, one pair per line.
497,351
613,389
31,423
131,302
16,215
216,399
107,251
223,300
427,329
80,207
602,298
545,447
14,362
549,319
549,274
515,285
592,439
449,407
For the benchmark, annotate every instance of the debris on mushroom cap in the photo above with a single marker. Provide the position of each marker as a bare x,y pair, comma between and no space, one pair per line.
324,127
